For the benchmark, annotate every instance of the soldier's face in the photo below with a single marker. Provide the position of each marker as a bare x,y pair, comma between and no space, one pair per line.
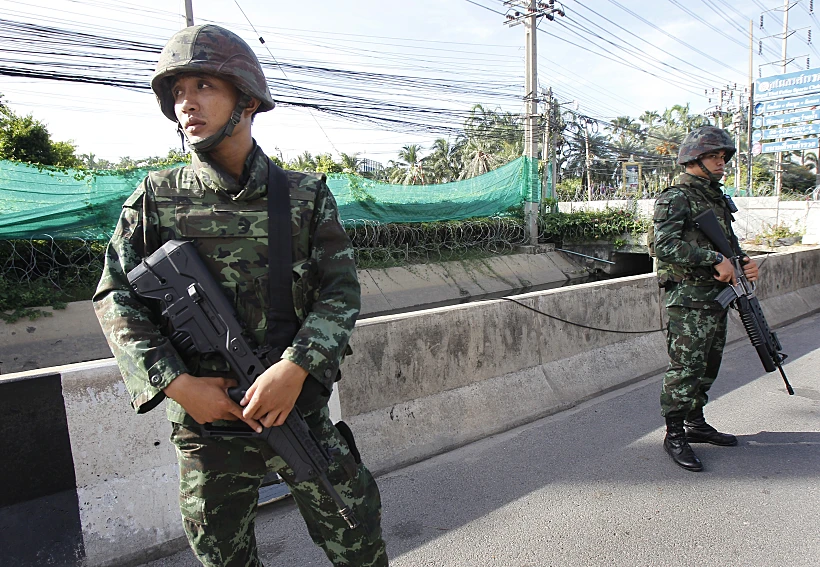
203,103
715,162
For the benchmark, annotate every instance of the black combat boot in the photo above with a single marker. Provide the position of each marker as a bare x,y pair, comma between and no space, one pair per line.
677,446
698,431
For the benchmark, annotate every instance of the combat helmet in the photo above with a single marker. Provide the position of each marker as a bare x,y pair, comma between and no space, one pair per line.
216,51
704,140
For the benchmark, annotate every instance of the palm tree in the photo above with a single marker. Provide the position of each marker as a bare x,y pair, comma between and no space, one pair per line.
625,128
679,115
444,161
411,166
350,163
649,118
496,133
479,158
304,162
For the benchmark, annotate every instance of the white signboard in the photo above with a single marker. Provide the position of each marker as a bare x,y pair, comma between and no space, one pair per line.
791,145
787,104
788,132
794,84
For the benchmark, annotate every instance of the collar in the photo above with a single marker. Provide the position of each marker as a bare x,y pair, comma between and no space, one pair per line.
252,184
710,189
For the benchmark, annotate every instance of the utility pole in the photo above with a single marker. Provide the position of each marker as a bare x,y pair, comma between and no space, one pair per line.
787,5
588,161
531,110
751,103
554,123
737,121
532,11
189,13
778,171
548,184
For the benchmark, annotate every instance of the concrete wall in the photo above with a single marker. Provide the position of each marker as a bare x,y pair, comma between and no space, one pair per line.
812,235
74,335
754,216
417,384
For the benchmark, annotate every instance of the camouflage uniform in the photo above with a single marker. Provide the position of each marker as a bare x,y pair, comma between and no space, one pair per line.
697,324
228,221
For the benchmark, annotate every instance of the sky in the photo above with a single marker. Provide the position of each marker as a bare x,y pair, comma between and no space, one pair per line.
608,57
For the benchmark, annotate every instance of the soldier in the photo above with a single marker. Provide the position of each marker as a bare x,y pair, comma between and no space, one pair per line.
211,84
693,273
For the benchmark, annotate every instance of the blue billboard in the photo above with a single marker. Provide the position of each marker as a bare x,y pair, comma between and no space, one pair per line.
787,104
790,118
786,132
787,85
791,145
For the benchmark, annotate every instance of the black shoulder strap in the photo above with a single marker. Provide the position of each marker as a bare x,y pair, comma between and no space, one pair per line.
282,323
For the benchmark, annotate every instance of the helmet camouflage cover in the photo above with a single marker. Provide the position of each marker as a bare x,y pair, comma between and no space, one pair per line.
704,140
213,50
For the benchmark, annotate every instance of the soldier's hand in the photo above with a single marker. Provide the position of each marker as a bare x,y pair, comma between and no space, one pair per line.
273,394
725,272
206,399
750,269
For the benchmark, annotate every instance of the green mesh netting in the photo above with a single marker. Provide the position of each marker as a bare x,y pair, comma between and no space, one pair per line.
36,203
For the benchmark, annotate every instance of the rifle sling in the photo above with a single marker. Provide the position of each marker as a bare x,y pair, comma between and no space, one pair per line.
282,323
727,217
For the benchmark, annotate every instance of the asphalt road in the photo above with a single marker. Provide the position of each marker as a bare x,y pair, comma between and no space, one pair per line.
593,487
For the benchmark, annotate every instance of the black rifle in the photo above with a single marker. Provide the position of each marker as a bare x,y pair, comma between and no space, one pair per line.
196,306
742,297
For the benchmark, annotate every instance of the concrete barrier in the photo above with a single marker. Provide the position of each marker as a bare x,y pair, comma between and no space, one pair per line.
417,385
73,334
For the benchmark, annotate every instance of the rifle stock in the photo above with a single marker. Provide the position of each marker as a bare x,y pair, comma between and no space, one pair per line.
742,297
195,305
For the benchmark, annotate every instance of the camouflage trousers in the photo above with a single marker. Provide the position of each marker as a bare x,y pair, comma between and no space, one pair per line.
695,340
219,484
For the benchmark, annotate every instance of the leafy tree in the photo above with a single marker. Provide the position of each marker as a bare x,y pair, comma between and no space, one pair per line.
90,161
325,164
24,138
797,178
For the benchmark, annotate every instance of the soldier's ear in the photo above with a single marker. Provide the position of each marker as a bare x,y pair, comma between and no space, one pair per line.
252,107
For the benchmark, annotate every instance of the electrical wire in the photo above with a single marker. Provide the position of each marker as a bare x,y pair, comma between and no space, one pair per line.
510,299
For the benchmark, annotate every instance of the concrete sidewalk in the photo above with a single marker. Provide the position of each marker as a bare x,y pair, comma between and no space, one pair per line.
593,487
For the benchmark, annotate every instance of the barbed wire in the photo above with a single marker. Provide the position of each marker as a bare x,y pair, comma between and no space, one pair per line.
377,244
604,192
62,263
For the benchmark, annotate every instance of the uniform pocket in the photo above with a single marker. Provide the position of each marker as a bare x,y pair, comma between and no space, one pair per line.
193,509
304,291
221,221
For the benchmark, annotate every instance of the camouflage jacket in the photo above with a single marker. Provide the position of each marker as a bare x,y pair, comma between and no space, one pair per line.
228,222
685,255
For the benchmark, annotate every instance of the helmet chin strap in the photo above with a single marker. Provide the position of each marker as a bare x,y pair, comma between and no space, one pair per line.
711,176
215,139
